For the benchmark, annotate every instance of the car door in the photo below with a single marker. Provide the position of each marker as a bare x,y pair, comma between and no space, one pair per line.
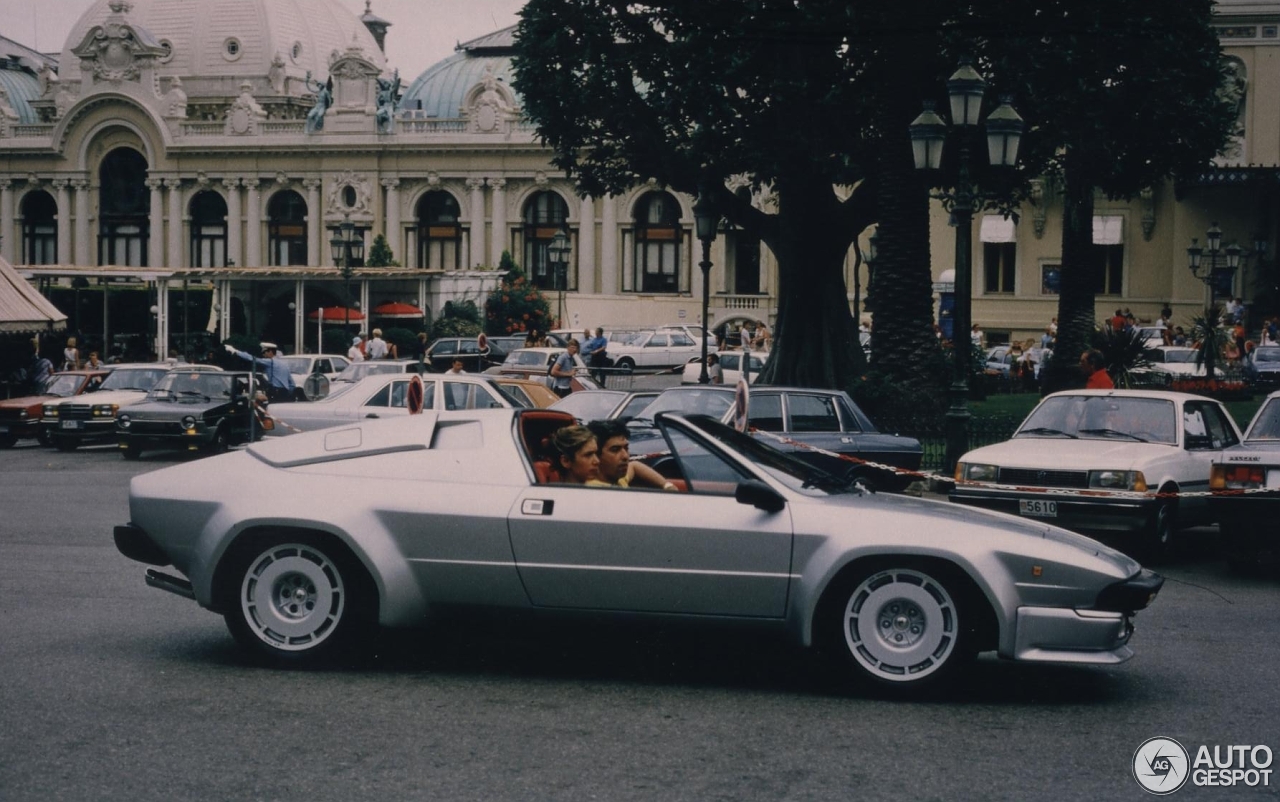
391,401
1206,432
683,348
700,552
655,352
441,355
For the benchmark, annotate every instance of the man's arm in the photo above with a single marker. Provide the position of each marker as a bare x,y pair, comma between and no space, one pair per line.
644,476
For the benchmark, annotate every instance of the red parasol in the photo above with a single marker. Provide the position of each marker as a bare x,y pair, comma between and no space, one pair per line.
396,309
336,314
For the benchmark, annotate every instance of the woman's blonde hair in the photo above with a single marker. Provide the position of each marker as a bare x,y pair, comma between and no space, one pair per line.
567,441
71,342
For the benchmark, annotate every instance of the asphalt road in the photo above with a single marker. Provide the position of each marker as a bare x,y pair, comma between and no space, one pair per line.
112,690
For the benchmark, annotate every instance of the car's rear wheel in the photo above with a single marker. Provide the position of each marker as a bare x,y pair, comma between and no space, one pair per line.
626,364
900,627
296,600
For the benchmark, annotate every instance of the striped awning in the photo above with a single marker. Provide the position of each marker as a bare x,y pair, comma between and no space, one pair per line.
23,309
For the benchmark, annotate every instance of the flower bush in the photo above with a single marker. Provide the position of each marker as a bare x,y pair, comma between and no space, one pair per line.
515,305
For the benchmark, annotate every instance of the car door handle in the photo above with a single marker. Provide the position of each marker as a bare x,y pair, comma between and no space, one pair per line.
372,415
846,440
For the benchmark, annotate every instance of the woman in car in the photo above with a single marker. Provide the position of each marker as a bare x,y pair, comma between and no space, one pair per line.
576,454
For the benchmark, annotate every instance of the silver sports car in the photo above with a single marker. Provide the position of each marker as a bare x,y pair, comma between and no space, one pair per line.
305,543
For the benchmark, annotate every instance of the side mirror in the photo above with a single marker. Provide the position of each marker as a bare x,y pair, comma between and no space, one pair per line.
759,495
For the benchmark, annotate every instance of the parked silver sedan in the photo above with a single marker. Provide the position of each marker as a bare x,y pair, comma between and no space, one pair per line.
304,544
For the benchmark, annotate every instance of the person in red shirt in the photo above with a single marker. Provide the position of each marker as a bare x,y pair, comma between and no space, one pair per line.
1091,362
1117,320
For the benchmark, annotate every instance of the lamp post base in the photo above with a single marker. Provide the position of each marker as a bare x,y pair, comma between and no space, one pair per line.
956,426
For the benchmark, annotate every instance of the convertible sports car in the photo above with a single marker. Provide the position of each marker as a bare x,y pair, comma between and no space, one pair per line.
303,544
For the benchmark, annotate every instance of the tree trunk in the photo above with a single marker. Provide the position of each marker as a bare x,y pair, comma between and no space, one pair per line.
903,343
1076,315
816,339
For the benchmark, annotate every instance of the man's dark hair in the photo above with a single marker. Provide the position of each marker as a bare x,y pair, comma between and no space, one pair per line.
604,430
1095,359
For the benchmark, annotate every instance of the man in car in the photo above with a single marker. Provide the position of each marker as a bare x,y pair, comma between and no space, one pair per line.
616,467
280,381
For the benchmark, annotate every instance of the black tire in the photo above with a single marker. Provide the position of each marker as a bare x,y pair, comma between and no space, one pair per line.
297,600
626,364
900,626
65,443
130,451
8,441
1158,538
44,437
218,445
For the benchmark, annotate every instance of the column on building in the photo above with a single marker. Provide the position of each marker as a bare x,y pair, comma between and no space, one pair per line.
253,223
395,234
587,246
7,227
476,185
235,253
500,233
83,239
175,222
161,346
64,221
315,224
155,214
300,316
609,246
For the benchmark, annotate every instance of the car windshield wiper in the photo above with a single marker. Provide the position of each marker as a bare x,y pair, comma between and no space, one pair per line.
192,393
1109,432
1048,430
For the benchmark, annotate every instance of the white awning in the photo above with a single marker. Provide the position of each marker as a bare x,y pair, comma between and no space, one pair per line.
1108,229
996,228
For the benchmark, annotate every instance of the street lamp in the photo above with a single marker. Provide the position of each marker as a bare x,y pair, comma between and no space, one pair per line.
705,219
966,88
347,246
558,253
1219,279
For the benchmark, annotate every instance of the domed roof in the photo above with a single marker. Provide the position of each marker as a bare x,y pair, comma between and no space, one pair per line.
235,38
441,89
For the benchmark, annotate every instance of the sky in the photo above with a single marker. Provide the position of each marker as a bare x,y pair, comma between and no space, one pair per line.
422,32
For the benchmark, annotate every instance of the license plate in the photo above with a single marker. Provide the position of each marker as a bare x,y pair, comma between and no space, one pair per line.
72,424
1038,508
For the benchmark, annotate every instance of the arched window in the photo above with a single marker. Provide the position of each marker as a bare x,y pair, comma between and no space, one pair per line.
286,229
439,232
39,228
544,215
208,230
658,239
124,224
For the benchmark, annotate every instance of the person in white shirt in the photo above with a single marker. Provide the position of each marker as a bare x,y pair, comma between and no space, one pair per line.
377,347
354,353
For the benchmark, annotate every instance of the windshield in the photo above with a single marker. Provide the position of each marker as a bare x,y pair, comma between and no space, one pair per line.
190,387
788,470
1266,424
1266,355
1187,355
1147,420
63,385
590,405
700,401
142,379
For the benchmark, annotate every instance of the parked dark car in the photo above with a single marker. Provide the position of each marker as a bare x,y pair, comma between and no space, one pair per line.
20,417
194,411
442,352
791,419
1263,366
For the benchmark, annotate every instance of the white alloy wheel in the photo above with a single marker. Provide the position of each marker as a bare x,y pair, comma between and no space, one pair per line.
292,597
901,625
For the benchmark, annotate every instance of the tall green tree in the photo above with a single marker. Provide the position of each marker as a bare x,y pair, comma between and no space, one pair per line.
1120,95
781,92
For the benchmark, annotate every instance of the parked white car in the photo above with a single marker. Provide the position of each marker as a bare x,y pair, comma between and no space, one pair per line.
1176,360
386,395
534,363
303,366
1143,446
663,348
730,363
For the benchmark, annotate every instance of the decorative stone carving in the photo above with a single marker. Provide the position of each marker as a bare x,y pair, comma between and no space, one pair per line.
540,179
358,202
433,179
8,117
498,183
283,180
324,99
489,106
62,101
1038,203
48,80
1148,198
276,74
202,180
245,112
116,51
475,183
175,100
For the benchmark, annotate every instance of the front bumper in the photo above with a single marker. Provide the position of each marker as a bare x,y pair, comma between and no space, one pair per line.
93,429
1097,514
1099,635
166,435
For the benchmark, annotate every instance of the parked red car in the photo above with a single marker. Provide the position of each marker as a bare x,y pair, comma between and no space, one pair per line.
20,417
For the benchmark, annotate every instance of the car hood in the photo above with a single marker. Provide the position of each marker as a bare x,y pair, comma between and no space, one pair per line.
160,410
27,401
1062,454
121,397
935,521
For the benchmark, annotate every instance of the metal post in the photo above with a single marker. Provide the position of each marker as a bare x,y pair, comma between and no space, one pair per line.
957,419
703,376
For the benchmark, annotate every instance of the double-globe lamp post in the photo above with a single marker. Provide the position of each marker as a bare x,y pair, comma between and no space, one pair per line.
706,219
1217,278
928,134
347,247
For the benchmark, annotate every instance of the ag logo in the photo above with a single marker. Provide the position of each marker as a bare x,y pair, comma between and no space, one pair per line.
1161,766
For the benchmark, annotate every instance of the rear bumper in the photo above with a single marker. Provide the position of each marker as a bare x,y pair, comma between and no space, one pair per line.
1076,513
133,542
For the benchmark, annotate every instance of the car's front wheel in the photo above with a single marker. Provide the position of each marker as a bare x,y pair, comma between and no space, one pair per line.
130,450
900,627
218,444
626,364
295,600
1159,535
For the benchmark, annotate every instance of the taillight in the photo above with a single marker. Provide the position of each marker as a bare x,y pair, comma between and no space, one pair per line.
1236,477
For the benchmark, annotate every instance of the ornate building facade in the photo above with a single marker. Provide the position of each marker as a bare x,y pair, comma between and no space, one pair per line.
213,150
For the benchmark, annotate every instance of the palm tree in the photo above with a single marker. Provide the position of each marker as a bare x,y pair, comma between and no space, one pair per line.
1123,352
1210,338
